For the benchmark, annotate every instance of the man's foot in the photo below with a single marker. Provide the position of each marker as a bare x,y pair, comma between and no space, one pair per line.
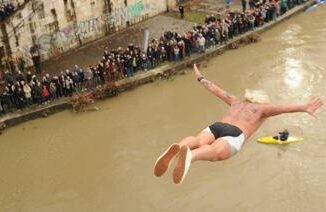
183,165
163,162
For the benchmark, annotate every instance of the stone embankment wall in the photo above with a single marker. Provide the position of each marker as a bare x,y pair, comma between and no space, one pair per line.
150,76
52,27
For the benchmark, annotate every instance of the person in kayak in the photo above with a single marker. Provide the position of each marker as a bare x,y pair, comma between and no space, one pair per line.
282,136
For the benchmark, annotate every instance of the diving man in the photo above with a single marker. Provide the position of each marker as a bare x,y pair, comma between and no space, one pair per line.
225,138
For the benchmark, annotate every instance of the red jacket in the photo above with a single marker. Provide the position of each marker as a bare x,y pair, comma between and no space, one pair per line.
45,92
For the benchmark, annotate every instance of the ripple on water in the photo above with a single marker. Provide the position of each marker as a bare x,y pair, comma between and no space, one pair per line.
292,36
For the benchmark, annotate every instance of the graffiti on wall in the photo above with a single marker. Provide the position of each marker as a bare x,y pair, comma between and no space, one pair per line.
122,15
54,44
118,16
89,26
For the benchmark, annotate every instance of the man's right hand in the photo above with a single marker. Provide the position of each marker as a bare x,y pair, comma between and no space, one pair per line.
197,72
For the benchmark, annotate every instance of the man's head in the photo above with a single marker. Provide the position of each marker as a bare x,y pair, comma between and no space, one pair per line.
256,96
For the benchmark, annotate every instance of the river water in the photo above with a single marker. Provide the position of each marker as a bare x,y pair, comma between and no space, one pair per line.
103,161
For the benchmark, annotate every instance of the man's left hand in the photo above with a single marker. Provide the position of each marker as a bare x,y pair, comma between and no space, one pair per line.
313,104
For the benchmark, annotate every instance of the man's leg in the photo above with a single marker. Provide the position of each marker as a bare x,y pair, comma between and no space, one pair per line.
163,162
218,150
203,138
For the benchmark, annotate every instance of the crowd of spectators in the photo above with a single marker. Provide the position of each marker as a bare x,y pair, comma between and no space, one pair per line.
6,9
23,90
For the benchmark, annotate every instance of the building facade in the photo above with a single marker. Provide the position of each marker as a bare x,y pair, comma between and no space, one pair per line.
48,28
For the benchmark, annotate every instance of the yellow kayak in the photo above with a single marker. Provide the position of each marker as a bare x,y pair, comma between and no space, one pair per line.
271,140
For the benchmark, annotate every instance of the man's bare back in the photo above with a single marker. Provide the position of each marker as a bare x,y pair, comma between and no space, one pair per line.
245,115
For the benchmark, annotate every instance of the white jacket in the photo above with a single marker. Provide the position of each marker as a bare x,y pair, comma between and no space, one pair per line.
201,41
27,91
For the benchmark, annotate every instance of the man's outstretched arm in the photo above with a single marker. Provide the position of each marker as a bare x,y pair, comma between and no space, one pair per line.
309,107
216,90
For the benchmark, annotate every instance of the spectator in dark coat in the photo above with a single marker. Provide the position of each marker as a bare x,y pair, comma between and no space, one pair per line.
181,10
2,110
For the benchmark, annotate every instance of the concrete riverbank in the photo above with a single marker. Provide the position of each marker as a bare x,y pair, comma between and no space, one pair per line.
163,71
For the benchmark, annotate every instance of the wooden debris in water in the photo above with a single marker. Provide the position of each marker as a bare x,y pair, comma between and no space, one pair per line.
254,37
80,101
2,126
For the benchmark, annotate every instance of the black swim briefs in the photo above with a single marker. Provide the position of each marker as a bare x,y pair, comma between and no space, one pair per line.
220,129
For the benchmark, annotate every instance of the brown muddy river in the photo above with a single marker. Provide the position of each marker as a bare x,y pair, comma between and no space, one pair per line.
103,161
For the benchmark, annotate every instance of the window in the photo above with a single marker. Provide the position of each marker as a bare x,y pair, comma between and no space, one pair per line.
54,14
31,27
16,38
55,23
41,12
19,16
34,39
108,4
